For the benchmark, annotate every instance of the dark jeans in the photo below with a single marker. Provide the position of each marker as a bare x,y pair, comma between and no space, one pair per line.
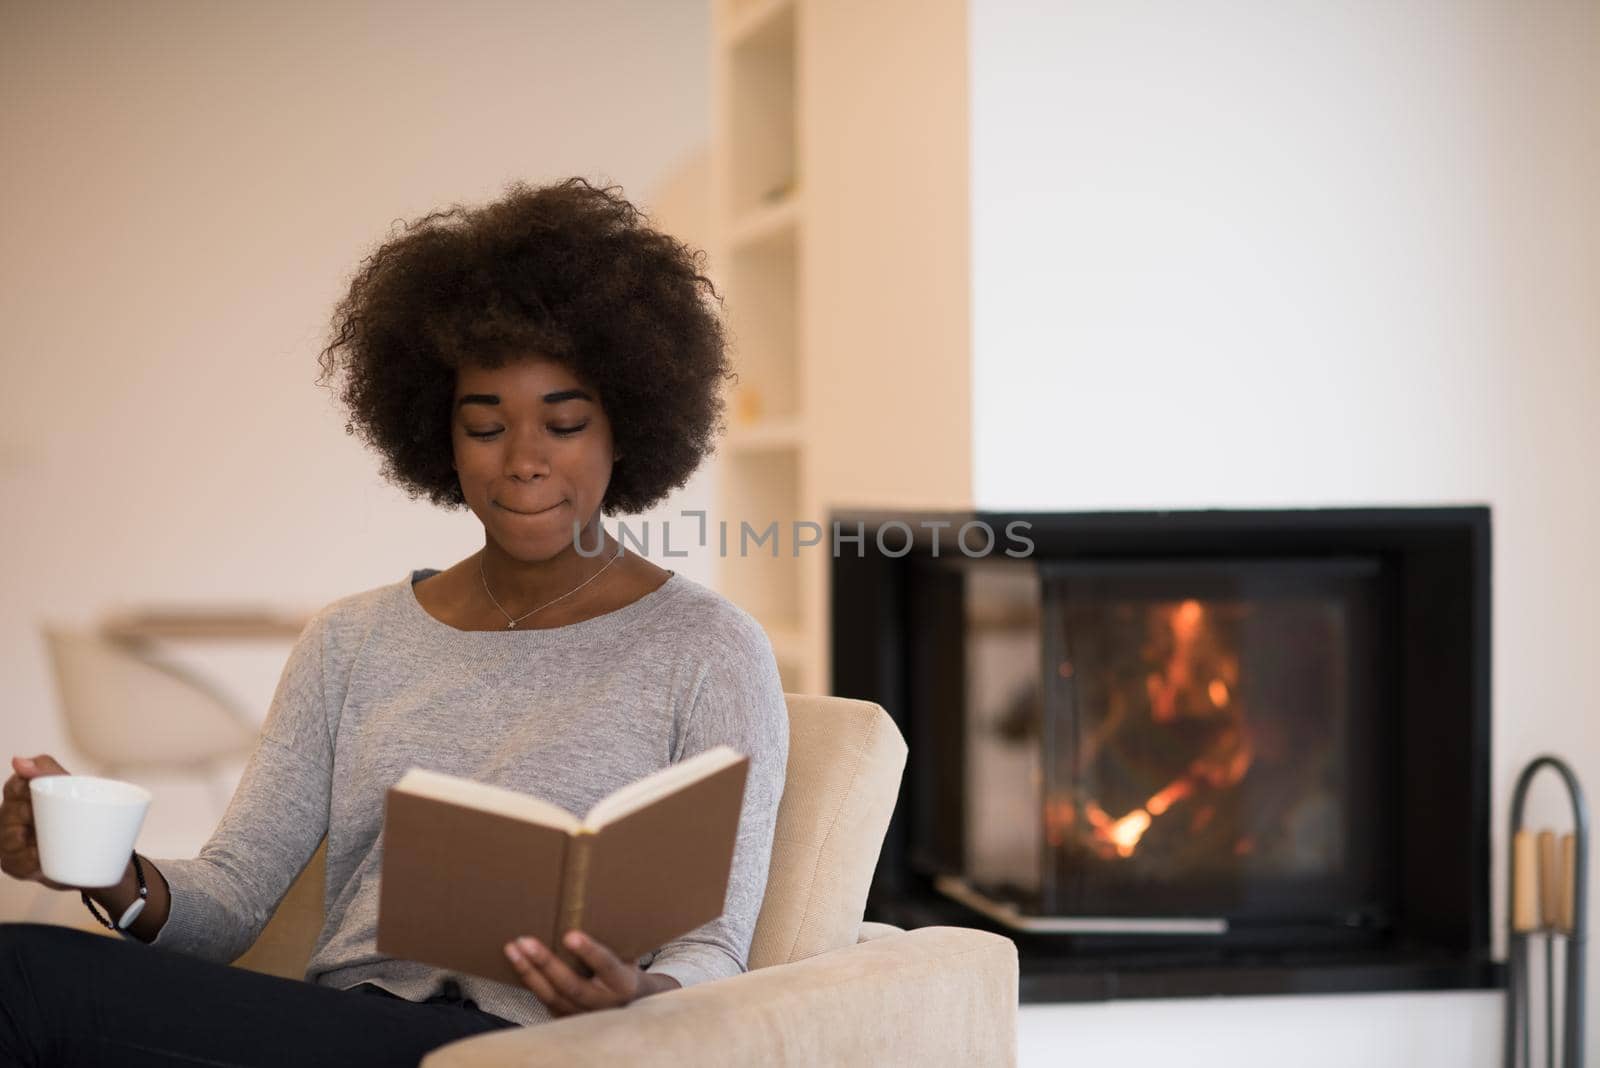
70,997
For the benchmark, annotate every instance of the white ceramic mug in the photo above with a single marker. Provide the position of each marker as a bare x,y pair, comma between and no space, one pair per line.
86,827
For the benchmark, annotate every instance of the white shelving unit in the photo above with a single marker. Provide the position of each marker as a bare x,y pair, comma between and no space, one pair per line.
761,228
840,203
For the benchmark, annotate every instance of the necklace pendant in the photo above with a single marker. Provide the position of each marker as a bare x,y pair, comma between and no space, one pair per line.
511,624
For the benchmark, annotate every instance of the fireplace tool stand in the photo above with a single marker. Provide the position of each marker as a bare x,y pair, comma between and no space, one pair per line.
1549,898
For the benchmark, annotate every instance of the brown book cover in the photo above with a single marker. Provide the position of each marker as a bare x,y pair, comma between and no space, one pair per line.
467,867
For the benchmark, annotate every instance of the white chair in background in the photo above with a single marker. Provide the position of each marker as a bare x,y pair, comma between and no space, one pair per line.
128,714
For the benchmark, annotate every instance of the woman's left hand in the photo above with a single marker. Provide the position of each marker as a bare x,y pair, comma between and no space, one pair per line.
614,982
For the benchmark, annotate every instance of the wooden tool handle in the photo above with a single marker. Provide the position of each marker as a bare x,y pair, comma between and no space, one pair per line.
1524,884
1566,910
1549,880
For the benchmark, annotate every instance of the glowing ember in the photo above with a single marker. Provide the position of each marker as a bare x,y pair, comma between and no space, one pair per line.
1126,832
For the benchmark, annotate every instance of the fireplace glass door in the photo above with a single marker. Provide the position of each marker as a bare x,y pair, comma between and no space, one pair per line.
1169,739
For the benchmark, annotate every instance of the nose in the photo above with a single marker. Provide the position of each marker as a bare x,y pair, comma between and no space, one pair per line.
528,459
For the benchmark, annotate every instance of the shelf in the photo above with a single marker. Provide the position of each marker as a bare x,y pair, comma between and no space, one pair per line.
760,574
750,21
793,654
761,289
758,225
757,109
766,435
789,644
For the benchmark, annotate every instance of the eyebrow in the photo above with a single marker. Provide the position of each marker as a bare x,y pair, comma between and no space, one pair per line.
549,398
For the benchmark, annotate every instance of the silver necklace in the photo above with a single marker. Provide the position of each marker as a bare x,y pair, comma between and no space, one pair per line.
510,623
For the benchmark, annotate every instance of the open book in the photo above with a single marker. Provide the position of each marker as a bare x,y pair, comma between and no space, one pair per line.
467,867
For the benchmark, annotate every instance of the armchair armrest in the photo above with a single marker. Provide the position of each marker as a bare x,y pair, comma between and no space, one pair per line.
933,996
870,930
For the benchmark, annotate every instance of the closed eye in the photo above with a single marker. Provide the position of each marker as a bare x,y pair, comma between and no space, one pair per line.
562,431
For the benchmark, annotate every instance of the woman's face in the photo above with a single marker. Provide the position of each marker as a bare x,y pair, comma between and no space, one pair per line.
533,451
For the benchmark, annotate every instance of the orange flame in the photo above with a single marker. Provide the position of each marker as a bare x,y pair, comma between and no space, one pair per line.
1169,796
1163,689
1221,764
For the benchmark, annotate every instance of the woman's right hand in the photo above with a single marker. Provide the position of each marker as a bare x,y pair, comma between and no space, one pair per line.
19,845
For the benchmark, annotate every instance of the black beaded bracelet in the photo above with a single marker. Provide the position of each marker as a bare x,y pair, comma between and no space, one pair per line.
135,908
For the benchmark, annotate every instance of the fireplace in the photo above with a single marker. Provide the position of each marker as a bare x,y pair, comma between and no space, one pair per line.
1185,753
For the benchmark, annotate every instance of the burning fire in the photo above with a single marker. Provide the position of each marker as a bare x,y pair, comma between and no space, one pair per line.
1173,692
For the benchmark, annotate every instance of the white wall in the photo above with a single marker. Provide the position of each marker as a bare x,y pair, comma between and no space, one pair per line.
187,189
1263,255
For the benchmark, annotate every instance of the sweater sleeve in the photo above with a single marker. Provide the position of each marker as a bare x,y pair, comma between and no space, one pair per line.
738,703
222,898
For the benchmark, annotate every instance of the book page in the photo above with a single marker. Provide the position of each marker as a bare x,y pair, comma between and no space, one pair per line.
459,882
496,799
652,787
662,870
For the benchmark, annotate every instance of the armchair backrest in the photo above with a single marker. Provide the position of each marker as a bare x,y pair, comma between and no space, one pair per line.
845,761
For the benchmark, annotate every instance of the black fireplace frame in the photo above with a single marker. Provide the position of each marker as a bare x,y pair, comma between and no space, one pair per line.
1441,867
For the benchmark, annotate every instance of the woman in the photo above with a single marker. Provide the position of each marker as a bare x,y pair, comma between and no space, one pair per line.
541,360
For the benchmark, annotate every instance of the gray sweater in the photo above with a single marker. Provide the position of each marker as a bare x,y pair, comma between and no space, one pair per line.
376,685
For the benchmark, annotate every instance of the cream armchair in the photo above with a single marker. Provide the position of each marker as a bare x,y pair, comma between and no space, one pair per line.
823,987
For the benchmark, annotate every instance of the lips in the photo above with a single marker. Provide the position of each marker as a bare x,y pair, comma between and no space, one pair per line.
530,509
